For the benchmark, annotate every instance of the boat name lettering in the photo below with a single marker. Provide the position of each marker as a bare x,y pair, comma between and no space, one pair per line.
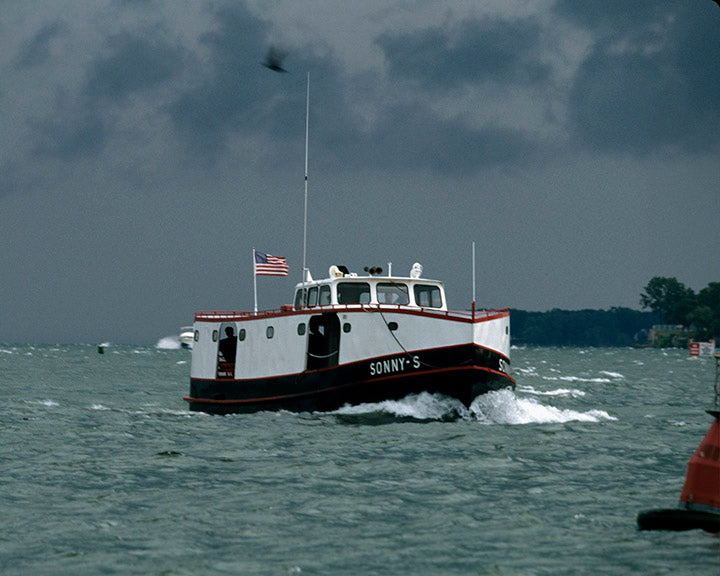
393,365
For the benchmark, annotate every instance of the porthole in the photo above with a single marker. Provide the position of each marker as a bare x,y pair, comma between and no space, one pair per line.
392,326
196,336
215,335
241,334
347,327
507,329
301,329
270,332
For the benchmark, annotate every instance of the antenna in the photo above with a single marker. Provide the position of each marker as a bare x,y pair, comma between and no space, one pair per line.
473,270
473,279
307,131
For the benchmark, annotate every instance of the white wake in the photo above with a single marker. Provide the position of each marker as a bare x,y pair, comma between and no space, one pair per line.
499,407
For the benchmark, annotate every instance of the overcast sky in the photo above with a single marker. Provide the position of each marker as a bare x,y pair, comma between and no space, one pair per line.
145,151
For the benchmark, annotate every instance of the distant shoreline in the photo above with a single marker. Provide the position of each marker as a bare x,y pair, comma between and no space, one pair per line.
614,327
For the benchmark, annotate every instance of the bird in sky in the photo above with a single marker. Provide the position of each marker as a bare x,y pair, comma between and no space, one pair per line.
274,59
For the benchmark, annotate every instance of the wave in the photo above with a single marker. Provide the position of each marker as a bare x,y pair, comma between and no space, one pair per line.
504,407
572,392
49,403
423,406
576,379
607,376
498,407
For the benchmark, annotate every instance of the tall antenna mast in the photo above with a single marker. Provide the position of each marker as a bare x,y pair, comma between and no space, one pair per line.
473,270
473,279
307,131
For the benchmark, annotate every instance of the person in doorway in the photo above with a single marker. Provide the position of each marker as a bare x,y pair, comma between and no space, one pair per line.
228,345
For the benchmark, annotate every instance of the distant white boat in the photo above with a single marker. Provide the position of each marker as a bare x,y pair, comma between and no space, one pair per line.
187,333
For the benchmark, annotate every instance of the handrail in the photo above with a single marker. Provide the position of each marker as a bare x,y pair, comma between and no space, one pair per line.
477,316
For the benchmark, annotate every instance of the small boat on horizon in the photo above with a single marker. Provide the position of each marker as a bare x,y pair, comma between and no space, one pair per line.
348,339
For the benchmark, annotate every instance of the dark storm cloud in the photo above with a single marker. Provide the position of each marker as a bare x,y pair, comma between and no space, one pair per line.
448,60
651,79
37,50
133,63
473,51
236,96
228,95
411,137
130,64
616,16
75,133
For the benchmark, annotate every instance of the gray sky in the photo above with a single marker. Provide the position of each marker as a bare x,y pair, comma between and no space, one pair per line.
144,151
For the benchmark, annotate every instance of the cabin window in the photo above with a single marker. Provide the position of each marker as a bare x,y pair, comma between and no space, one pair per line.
392,293
299,299
427,296
241,334
301,329
270,332
347,327
325,296
353,293
313,296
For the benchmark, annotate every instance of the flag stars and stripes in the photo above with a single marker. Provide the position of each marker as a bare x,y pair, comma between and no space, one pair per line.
268,265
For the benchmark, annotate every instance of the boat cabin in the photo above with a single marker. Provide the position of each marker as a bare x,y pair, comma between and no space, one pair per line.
344,288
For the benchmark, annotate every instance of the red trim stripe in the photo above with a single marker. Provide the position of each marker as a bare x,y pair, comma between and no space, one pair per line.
237,316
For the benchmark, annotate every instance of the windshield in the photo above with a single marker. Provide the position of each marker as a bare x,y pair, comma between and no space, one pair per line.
353,293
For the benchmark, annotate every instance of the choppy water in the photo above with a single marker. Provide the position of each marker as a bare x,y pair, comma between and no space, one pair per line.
104,471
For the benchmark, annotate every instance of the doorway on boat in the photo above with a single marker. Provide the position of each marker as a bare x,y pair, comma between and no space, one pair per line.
323,348
227,348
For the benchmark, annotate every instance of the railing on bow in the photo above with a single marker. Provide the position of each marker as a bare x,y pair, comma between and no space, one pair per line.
471,316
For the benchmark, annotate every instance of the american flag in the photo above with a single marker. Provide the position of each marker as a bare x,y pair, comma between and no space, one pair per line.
267,265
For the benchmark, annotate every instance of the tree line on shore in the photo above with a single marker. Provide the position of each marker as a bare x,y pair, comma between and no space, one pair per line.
665,301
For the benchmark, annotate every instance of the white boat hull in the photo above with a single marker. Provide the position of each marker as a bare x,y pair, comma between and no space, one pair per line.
320,359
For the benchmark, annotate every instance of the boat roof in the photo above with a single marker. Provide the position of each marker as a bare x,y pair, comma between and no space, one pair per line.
370,279
341,274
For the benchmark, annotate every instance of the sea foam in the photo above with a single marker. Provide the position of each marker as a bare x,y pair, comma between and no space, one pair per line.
497,407
168,343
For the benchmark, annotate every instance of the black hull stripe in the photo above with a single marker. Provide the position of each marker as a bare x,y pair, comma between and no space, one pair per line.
449,370
462,372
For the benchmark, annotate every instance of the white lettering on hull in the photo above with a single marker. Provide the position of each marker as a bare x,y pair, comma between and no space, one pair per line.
394,365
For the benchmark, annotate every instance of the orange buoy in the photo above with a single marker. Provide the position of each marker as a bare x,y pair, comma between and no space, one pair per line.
699,505
702,481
